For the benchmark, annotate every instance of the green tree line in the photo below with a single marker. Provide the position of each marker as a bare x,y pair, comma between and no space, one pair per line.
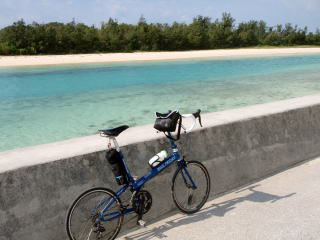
111,36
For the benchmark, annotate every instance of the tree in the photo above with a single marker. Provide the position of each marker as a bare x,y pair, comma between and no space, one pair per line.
72,37
198,33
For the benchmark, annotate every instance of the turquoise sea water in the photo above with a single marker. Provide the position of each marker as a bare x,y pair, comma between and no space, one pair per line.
45,104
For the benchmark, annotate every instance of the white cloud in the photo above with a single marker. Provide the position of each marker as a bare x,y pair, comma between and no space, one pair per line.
309,5
312,4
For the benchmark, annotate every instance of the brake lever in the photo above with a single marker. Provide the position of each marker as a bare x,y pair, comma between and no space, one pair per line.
200,120
197,115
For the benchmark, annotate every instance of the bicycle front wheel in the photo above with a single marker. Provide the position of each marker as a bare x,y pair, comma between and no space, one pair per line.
83,220
191,187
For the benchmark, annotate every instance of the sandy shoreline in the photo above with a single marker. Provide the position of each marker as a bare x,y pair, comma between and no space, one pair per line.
14,61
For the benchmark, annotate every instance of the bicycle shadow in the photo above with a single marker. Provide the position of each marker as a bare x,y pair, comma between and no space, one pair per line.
217,209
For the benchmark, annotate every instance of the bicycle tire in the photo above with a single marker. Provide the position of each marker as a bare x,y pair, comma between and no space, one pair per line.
89,216
200,176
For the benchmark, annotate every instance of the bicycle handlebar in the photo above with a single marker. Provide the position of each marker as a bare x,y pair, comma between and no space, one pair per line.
194,117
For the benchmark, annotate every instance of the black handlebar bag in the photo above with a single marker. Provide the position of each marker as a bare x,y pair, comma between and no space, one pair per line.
167,122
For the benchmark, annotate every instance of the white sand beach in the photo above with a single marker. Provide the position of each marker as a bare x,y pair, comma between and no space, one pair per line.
13,61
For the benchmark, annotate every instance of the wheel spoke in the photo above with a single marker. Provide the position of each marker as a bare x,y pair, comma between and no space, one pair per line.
187,198
88,238
83,224
190,195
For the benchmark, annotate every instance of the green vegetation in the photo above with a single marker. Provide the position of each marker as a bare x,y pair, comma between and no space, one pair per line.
202,33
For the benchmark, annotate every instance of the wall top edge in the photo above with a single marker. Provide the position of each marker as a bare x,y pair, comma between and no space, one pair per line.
40,154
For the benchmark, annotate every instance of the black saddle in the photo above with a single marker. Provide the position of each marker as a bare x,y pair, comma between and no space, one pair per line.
114,132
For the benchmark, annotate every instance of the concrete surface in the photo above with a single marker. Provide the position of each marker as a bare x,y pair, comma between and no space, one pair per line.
45,153
38,184
283,206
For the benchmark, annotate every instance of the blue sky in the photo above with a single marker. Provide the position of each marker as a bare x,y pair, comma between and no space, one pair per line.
301,12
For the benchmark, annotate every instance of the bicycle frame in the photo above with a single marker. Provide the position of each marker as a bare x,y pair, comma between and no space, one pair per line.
139,183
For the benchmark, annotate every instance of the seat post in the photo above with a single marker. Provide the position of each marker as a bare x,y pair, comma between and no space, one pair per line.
115,143
123,159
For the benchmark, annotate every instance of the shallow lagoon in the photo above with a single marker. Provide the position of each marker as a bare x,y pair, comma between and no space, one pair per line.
45,104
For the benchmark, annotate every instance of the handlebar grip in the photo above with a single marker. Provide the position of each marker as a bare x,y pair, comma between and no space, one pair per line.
197,115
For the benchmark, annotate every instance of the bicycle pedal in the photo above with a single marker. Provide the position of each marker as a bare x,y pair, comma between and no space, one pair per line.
100,229
141,223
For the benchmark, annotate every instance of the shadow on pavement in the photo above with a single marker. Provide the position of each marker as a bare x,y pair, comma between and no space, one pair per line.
217,209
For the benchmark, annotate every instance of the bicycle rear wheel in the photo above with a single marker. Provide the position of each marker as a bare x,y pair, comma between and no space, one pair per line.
83,216
191,187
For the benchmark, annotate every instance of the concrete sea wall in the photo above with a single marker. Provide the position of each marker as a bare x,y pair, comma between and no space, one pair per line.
37,184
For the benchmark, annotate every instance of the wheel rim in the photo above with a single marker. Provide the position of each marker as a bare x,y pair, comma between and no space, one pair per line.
83,223
186,198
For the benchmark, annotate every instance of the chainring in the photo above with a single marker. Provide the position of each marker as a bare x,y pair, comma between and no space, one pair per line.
137,198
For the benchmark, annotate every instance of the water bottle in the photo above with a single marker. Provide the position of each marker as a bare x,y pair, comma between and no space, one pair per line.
157,159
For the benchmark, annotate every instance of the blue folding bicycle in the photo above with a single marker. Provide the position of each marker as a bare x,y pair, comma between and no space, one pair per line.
98,213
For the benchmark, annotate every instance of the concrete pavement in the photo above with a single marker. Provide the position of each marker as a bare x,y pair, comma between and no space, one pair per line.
282,206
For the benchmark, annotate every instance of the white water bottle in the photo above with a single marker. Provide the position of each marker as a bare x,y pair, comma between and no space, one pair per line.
157,159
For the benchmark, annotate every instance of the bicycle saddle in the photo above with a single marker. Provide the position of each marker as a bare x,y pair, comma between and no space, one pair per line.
114,132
